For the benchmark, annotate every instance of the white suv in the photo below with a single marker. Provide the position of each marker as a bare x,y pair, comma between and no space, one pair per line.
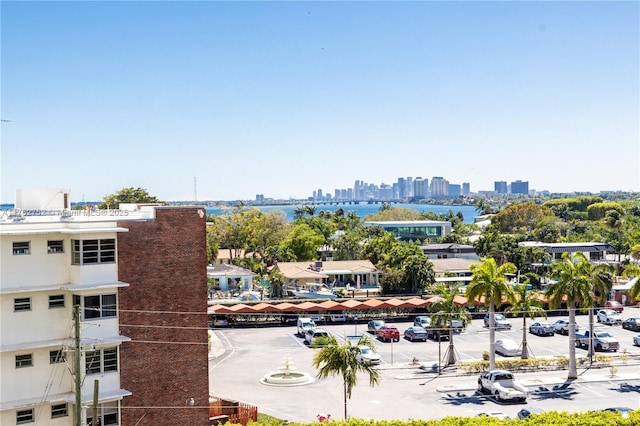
313,334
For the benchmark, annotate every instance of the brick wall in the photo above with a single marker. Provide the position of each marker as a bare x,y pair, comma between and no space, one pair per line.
163,311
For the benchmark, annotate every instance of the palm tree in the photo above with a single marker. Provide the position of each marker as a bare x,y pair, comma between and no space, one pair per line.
335,358
576,280
528,305
446,311
489,281
633,271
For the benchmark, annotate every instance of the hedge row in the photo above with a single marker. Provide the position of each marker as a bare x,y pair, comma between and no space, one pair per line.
532,364
591,418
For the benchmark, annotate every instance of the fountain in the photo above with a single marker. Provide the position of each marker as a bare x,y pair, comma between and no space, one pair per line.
287,376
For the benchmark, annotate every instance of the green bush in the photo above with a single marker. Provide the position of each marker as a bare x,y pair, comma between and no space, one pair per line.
590,418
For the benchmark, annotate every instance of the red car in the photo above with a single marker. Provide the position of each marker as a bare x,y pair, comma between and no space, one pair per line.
614,306
389,332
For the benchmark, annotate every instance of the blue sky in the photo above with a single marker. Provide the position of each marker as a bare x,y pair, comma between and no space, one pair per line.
282,98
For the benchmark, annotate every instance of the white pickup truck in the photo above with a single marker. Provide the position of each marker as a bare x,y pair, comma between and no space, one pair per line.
502,385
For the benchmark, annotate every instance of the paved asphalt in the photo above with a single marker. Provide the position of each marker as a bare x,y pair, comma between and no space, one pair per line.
428,396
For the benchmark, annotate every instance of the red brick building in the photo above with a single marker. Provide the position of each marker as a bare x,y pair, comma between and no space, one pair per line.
163,311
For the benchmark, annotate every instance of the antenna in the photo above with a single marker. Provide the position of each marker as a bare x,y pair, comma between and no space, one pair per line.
195,189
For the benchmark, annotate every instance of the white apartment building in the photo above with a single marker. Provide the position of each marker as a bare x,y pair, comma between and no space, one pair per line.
53,258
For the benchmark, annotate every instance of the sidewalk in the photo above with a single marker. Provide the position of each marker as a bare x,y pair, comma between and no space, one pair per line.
217,347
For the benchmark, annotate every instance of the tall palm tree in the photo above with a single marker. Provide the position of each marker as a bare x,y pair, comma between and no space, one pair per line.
489,280
336,358
527,304
633,271
446,311
576,281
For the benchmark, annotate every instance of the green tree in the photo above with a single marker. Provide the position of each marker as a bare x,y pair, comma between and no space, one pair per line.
445,311
614,221
489,281
576,281
125,196
419,271
303,242
522,217
393,214
339,359
348,246
526,303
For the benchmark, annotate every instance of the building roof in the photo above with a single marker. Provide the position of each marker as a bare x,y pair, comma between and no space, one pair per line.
453,264
448,248
569,247
325,268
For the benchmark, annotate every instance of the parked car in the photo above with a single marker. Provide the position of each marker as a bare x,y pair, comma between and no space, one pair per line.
502,385
337,318
374,325
366,355
602,340
389,332
499,321
608,316
422,321
636,340
496,414
529,411
632,324
624,411
414,333
304,324
314,336
437,333
562,326
614,306
508,347
542,328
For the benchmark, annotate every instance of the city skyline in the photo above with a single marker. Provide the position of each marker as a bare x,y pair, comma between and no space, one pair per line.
407,187
281,98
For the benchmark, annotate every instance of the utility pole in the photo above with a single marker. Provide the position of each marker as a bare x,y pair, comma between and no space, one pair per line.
77,367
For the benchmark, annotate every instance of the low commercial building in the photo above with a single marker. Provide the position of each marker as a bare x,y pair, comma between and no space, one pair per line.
415,230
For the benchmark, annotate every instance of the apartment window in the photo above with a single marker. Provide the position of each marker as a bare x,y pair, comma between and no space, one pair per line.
55,246
99,306
110,359
101,360
25,360
59,410
56,357
107,415
21,247
22,304
56,301
85,252
24,416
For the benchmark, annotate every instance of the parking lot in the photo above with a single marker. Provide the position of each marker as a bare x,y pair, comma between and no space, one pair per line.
406,391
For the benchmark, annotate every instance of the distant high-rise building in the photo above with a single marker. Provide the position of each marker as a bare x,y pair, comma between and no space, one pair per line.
420,188
259,197
401,188
409,187
439,187
520,187
466,189
500,187
453,190
319,195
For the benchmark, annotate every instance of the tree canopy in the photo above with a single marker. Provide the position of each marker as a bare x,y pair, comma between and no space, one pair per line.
127,195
